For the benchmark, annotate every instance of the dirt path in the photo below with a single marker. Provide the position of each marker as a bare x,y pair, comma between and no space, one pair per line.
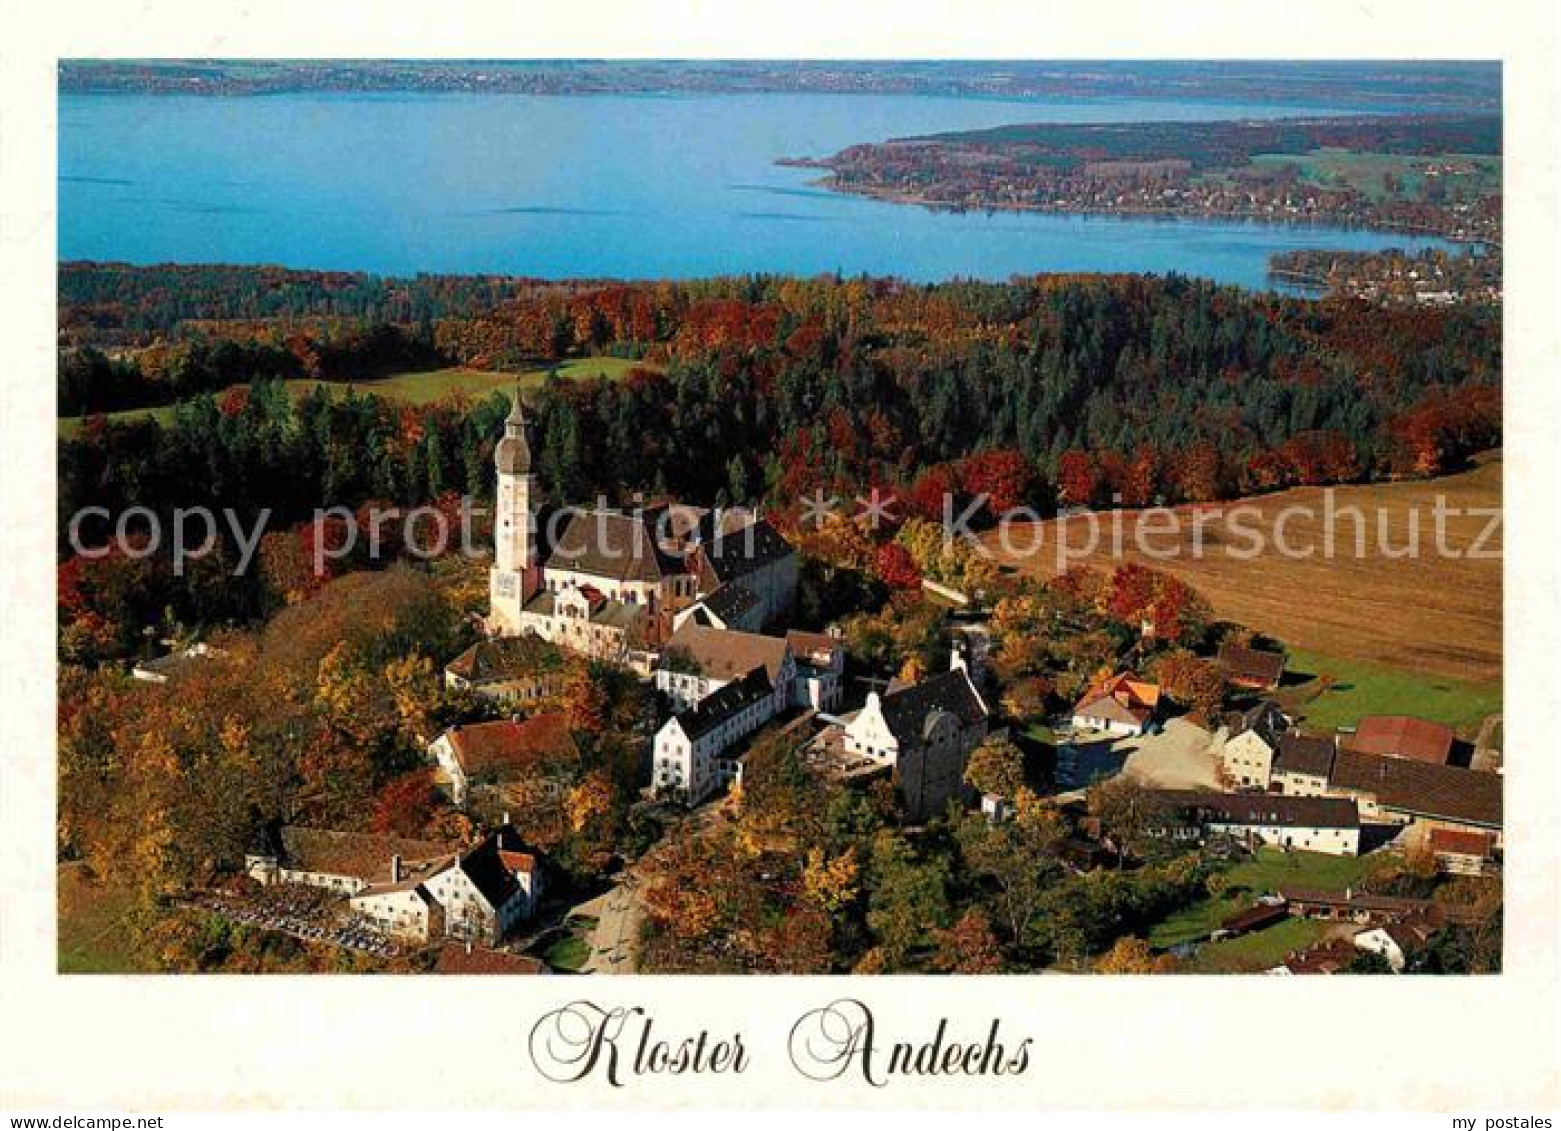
1487,757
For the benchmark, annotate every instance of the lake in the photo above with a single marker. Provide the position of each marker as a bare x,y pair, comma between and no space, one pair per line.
592,186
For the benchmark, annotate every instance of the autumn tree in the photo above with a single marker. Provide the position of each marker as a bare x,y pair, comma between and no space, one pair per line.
1197,684
968,947
908,898
1130,811
996,768
1132,955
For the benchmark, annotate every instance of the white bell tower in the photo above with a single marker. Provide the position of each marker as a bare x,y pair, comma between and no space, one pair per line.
514,576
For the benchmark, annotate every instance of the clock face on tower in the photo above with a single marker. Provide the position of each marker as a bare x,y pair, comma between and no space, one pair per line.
506,584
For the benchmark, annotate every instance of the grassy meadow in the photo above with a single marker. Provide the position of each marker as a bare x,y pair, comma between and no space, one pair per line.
413,388
1330,692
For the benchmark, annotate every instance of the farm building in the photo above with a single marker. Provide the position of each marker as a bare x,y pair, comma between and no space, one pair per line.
1123,704
1251,668
1402,736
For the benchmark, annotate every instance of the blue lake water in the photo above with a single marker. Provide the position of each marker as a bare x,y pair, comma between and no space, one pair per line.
594,186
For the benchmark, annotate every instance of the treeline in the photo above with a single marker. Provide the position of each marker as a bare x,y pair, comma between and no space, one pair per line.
117,304
1223,145
90,381
775,388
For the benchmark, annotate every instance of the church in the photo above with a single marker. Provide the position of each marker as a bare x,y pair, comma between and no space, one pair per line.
615,584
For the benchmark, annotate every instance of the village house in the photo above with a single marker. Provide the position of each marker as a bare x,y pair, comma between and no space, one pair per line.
402,906
1122,704
1302,765
1246,745
1402,736
1330,956
1250,668
690,753
515,670
1369,909
698,661
1262,914
492,755
489,889
1462,853
733,607
736,547
612,584
1312,824
409,889
1396,942
821,670
925,732
341,862
1423,795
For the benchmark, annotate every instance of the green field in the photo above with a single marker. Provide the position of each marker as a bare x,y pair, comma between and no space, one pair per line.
412,388
1266,872
1259,950
1363,172
568,953
1360,688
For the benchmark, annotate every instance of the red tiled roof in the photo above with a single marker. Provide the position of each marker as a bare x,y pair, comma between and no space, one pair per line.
508,747
1402,736
812,643
517,861
1250,665
723,653
364,856
1461,842
458,958
1133,699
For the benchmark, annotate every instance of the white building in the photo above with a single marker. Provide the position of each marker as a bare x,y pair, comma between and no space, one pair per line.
1328,825
411,889
337,861
1245,748
402,906
925,732
494,754
821,669
1396,942
1122,704
489,890
1302,764
698,661
613,583
691,754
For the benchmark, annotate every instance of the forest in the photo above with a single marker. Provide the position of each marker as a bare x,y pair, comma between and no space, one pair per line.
1223,145
1043,392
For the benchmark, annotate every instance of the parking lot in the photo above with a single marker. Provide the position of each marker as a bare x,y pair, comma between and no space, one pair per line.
305,913
1174,756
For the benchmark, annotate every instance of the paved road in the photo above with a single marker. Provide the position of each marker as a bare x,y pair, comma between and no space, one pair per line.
614,943
619,911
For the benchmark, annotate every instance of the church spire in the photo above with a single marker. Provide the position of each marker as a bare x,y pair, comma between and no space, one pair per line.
513,455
